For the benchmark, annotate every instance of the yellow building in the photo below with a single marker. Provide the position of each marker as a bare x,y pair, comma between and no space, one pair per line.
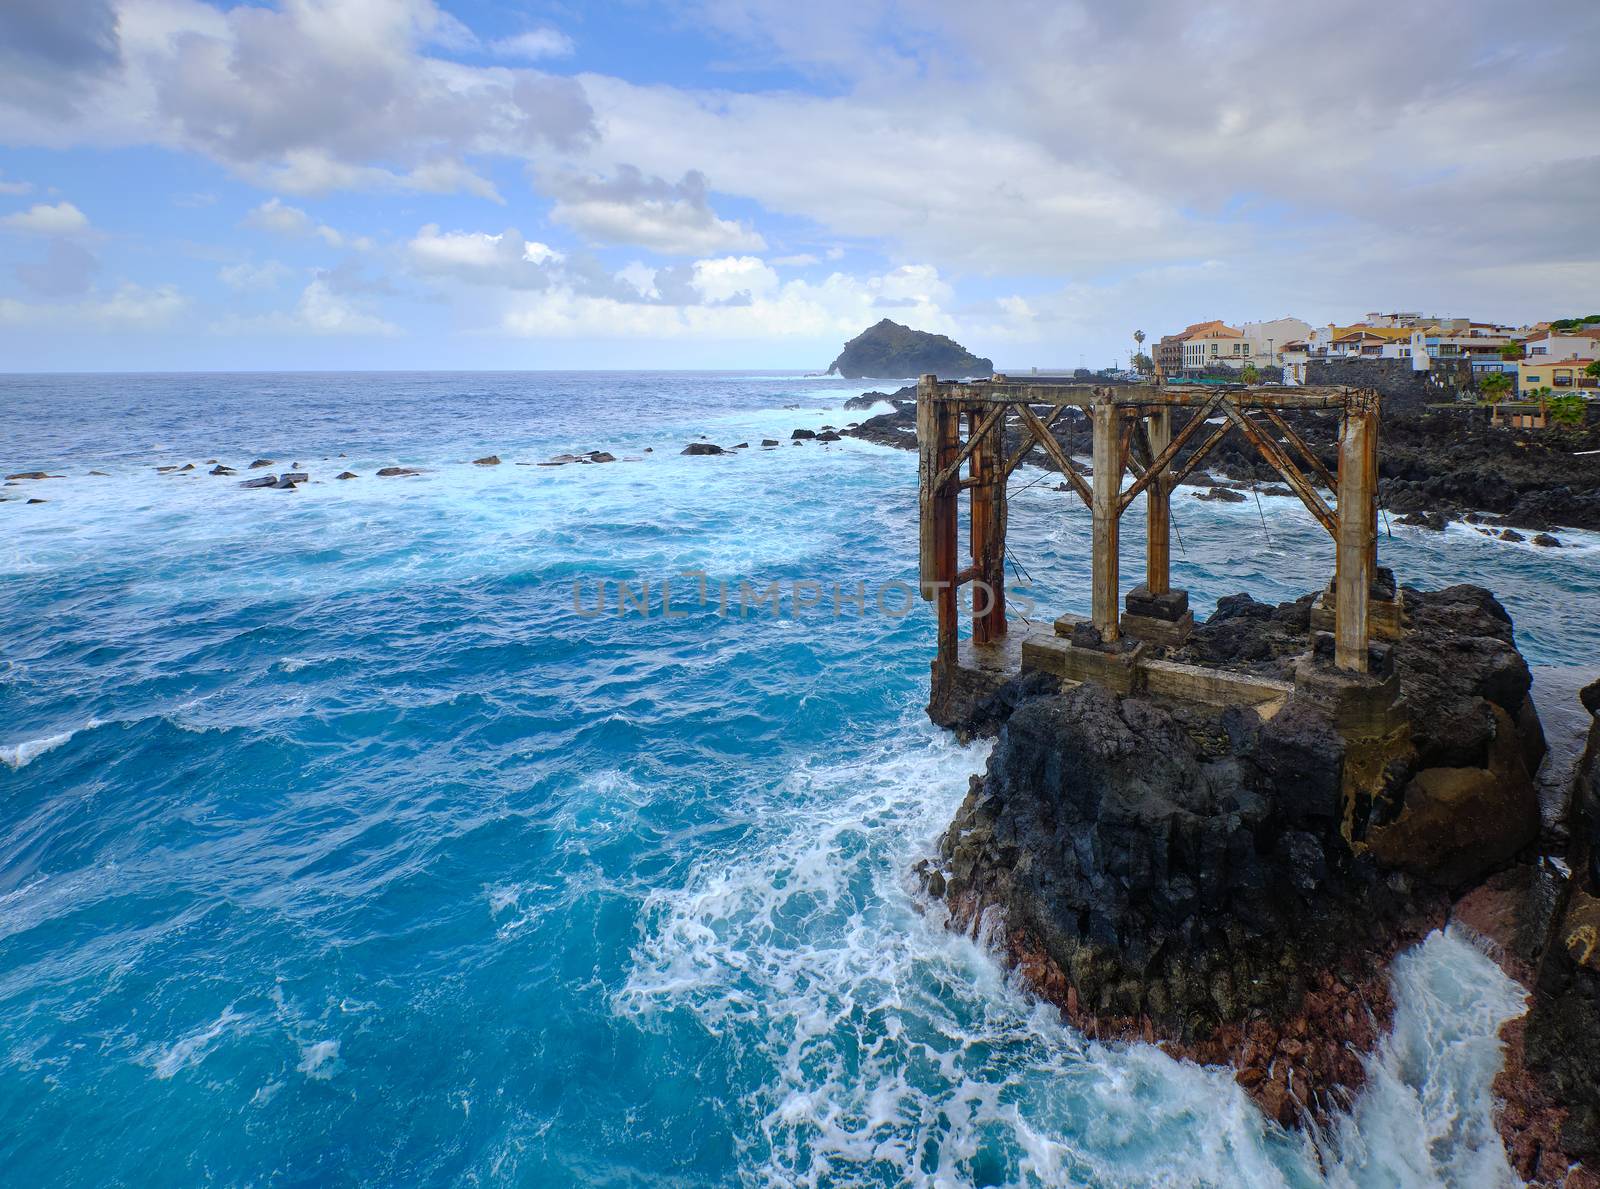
1560,376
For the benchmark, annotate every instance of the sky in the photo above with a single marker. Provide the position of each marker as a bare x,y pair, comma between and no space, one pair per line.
355,184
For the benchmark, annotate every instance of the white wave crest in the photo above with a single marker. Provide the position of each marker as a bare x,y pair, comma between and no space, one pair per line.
885,1050
20,755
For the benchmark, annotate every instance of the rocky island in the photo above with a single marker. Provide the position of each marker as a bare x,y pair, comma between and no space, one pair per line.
891,350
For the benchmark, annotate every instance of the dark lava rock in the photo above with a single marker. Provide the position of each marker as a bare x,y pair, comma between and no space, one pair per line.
1511,534
396,472
802,435
347,475
702,448
769,441
1545,540
602,456
829,436
26,475
219,469
287,480
742,446
488,460
1183,870
259,463
561,460
1433,521
1224,495
889,349
263,481
866,400
37,500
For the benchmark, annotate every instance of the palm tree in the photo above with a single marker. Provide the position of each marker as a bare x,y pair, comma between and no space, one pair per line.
1138,344
1249,375
1494,387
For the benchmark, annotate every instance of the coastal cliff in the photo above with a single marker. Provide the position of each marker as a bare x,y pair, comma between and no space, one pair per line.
889,349
1232,885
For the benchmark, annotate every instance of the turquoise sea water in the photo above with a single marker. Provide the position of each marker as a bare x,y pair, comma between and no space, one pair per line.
338,846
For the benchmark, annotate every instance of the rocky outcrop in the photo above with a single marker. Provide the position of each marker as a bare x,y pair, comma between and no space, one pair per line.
1563,1028
889,349
1234,885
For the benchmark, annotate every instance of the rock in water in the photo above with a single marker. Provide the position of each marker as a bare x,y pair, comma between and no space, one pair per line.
702,448
1235,884
347,475
889,349
263,481
801,435
259,463
488,460
396,472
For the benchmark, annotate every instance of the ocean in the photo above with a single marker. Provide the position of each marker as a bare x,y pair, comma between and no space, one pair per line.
354,835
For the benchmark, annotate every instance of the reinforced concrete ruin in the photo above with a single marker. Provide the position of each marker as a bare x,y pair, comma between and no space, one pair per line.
1142,431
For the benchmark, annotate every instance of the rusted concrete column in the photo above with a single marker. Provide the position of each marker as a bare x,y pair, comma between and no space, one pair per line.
1107,487
1357,541
988,530
1158,509
937,431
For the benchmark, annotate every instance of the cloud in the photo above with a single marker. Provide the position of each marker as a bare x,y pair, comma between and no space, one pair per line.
303,96
14,187
534,45
733,299
321,311
733,277
506,259
627,207
50,49
67,270
61,218
278,217
130,308
248,278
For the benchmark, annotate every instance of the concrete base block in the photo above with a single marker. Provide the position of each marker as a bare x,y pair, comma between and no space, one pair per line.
1171,606
1215,687
1117,671
1362,705
1172,633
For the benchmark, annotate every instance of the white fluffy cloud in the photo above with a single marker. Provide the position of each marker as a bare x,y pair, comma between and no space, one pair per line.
505,259
534,45
627,207
61,218
276,216
304,96
321,310
129,308
246,277
743,299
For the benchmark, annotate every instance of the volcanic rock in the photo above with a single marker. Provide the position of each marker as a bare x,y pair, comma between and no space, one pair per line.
263,481
395,472
347,475
259,463
702,448
488,460
800,435
889,349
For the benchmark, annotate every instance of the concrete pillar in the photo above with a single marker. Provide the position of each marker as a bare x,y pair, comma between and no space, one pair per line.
1107,487
1158,509
1357,541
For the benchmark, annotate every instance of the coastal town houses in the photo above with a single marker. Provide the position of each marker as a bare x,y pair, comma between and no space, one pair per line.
1424,342
1561,376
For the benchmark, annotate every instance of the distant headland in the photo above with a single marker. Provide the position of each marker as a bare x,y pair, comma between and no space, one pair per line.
889,350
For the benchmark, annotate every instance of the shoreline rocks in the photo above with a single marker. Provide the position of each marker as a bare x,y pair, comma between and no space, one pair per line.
1232,886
